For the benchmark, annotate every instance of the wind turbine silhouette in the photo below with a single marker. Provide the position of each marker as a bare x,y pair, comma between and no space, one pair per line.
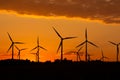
36,54
12,45
38,48
78,54
61,42
117,46
19,51
86,45
103,57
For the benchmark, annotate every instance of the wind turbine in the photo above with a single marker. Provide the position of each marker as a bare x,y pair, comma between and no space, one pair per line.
86,45
12,45
61,42
36,54
117,46
19,51
38,48
78,54
103,57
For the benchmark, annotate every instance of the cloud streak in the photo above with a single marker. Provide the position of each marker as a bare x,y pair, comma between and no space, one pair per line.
105,10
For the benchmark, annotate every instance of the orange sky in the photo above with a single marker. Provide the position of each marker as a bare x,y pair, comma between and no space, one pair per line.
26,28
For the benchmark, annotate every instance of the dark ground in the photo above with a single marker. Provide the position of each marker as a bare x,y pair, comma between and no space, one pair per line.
66,70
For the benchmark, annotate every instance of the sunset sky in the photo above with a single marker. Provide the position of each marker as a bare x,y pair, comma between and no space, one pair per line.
25,20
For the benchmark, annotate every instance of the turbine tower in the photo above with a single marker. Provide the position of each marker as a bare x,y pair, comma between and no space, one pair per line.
61,42
12,45
38,48
86,45
117,48
19,51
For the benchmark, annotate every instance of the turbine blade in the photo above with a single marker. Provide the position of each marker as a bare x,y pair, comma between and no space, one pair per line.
57,32
18,42
9,48
10,37
33,53
18,54
102,52
42,48
112,43
69,37
92,44
80,49
23,49
86,33
59,46
38,40
70,52
106,57
81,44
17,48
37,53
34,48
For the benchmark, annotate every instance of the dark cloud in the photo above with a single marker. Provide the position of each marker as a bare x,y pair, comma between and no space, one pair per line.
105,10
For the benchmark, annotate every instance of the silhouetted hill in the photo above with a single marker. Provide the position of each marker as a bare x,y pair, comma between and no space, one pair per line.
66,70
